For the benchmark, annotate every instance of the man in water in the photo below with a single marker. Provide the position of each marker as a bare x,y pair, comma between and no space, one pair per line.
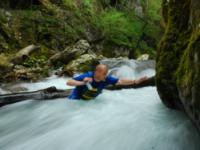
89,85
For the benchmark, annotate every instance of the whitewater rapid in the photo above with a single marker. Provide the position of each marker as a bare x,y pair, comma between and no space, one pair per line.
133,119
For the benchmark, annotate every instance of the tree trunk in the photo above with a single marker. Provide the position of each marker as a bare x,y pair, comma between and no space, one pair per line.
24,53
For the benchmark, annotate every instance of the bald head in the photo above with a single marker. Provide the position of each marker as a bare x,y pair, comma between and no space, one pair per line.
102,67
101,72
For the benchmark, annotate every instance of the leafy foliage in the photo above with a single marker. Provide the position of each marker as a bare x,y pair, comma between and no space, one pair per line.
60,23
116,27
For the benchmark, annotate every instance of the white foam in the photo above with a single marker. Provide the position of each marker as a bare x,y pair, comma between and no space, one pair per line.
59,82
133,119
116,120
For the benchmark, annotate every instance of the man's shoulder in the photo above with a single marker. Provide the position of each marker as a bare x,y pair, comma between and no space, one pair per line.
89,73
80,77
111,79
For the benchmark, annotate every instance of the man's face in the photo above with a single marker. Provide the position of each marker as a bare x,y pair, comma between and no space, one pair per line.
100,73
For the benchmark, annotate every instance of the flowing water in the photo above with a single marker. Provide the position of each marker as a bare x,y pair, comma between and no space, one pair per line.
133,119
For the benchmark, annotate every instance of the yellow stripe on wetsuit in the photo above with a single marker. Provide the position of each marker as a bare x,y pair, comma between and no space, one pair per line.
90,94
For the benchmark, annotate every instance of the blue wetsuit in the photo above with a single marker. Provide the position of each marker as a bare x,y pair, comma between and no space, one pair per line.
79,90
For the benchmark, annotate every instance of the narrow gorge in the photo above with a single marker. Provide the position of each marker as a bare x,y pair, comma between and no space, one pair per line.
45,43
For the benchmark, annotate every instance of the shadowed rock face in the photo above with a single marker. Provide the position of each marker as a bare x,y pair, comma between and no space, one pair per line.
178,63
19,4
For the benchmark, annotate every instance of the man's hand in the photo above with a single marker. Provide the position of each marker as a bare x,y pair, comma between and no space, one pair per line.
138,81
131,82
87,79
73,82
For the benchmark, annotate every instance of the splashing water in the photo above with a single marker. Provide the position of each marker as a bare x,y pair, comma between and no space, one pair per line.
133,119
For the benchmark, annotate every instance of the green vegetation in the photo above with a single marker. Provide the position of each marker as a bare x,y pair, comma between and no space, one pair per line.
123,27
56,25
113,28
118,28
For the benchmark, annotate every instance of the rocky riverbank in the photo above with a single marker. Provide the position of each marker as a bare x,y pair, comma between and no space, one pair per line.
74,59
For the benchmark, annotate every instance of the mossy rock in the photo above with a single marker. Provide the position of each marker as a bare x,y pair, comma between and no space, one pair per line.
84,63
178,58
5,64
71,52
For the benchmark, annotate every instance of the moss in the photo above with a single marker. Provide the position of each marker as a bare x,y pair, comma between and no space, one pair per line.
39,59
178,73
4,61
171,49
165,10
5,66
187,73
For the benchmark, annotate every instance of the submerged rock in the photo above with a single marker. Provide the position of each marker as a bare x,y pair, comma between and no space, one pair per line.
178,58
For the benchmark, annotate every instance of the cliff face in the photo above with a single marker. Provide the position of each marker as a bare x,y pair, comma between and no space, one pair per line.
178,59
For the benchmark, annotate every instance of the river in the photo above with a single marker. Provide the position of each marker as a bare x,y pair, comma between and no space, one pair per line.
133,119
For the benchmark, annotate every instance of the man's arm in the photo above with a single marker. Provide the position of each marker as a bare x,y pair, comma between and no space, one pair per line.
131,82
73,82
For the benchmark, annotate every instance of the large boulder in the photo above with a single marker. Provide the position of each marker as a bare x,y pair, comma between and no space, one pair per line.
178,58
86,62
70,53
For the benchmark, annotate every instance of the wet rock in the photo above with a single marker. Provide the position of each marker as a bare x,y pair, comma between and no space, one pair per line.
143,57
